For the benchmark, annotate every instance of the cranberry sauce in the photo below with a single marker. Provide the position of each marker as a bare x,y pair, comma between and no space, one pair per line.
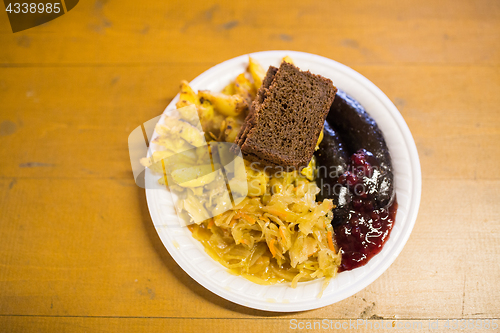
368,226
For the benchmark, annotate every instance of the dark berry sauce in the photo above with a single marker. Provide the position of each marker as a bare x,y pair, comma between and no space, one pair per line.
367,227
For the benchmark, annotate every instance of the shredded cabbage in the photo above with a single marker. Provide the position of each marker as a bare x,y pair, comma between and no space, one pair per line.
281,236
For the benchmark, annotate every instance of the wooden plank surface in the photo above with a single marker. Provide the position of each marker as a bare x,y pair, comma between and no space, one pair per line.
78,249
107,32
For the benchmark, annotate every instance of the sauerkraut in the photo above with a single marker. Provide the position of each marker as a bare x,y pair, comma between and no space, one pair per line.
282,236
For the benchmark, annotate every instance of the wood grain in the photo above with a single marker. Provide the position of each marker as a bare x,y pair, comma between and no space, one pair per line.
101,32
79,251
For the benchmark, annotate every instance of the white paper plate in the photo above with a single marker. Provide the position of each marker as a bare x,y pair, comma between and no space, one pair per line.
189,253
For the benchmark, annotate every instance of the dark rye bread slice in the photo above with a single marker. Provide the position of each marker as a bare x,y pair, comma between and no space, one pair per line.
245,128
286,118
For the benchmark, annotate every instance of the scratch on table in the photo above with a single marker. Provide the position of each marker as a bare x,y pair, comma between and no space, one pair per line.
286,37
230,25
463,294
115,79
151,292
7,128
144,30
209,13
203,17
352,43
24,41
102,21
400,103
35,164
99,4
376,317
367,310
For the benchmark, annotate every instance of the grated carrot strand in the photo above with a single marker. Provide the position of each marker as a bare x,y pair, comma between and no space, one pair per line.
282,232
330,241
271,247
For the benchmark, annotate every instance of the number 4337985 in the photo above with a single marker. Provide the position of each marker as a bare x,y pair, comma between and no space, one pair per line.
32,8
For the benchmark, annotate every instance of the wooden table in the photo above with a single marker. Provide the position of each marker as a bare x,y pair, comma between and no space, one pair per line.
78,250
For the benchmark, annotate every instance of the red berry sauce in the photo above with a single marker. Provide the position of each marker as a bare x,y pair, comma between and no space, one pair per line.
367,229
